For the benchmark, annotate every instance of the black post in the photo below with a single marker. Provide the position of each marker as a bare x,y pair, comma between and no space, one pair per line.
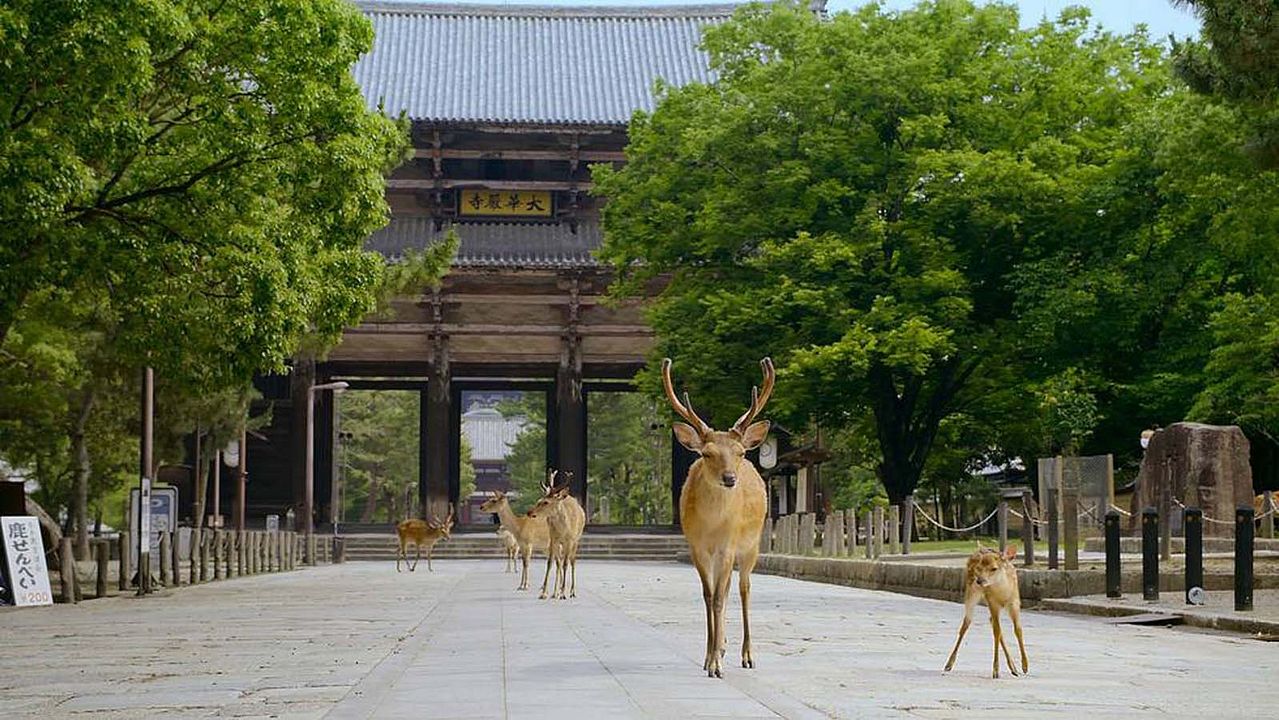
1150,554
1052,529
1194,528
1243,558
1112,555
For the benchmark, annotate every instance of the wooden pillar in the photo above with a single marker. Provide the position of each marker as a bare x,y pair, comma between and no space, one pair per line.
877,531
102,554
194,555
300,381
894,529
175,557
241,478
435,444
570,427
126,559
835,526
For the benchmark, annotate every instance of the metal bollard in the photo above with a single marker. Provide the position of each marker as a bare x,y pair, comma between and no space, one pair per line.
102,553
1243,558
1113,577
1150,554
1027,531
1053,528
165,541
339,550
1193,523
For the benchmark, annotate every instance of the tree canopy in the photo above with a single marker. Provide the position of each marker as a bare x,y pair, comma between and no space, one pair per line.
858,197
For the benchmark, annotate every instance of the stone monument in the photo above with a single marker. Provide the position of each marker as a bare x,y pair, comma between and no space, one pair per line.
1205,466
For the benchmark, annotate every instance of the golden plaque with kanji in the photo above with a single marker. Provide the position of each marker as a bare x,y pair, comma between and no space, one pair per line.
505,203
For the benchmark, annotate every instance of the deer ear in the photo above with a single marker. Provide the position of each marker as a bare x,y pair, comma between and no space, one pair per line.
755,434
687,436
1010,553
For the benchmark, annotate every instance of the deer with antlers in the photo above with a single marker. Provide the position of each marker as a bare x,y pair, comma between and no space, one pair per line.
531,533
419,533
566,521
722,507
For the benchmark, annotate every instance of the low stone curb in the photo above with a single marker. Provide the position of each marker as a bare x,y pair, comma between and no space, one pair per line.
943,582
1199,618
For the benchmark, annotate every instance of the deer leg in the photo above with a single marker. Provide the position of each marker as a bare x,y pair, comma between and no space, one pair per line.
417,555
708,598
550,555
744,588
528,554
999,640
429,549
970,599
573,591
724,583
399,555
1014,612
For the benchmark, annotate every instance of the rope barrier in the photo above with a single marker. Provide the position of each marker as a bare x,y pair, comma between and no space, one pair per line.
970,528
1211,519
1034,520
1120,510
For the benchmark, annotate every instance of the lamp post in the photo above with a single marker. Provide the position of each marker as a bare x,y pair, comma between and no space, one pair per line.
308,507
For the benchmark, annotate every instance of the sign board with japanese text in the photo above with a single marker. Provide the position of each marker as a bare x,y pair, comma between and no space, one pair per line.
504,203
163,516
28,575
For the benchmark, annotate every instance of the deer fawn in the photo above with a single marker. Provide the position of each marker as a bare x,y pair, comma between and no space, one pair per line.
990,576
421,532
531,533
510,545
566,520
722,507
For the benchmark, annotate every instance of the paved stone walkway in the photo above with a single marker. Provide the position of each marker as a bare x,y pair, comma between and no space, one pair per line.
360,641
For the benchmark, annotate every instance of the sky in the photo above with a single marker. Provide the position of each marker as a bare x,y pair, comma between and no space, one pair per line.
1159,16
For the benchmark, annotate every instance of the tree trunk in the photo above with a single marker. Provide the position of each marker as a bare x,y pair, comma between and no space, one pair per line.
83,469
201,482
370,500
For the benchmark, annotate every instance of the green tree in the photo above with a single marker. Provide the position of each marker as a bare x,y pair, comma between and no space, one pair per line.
1237,58
212,163
629,458
380,468
856,198
526,460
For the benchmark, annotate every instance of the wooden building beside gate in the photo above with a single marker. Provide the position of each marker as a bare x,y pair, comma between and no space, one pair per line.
509,107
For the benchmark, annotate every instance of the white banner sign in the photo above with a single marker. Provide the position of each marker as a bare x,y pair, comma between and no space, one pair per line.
24,555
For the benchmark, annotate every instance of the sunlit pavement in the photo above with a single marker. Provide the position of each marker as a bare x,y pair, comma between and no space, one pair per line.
359,640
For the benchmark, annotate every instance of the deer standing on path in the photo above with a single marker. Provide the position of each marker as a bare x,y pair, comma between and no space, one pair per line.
722,507
566,520
510,545
531,533
990,576
421,532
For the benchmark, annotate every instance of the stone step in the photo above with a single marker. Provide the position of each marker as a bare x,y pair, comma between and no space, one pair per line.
664,547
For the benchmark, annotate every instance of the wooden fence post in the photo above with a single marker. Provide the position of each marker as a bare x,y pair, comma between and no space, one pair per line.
102,554
163,560
126,560
868,525
1027,529
217,554
175,557
894,530
851,519
193,556
66,569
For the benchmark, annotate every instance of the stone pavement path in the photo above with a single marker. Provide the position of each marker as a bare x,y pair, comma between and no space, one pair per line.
360,641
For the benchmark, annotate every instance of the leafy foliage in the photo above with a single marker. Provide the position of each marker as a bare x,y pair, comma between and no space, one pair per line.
858,197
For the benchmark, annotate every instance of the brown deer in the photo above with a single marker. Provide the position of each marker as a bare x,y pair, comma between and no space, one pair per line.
421,532
722,507
510,546
531,533
990,576
566,520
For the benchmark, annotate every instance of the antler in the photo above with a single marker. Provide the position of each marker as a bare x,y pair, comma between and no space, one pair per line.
684,409
758,399
550,481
